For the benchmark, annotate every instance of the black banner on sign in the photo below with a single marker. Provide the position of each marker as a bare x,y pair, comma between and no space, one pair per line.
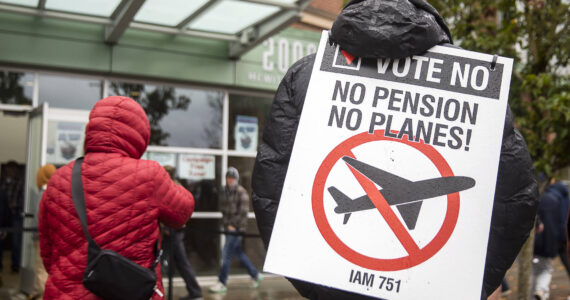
434,70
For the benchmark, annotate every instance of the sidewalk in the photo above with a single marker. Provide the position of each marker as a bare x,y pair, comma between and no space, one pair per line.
274,287
559,287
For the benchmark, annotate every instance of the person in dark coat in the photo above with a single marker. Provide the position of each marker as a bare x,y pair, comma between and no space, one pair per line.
547,241
175,238
559,188
392,29
12,185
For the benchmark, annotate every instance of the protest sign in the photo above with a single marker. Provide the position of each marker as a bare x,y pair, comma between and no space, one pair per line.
390,186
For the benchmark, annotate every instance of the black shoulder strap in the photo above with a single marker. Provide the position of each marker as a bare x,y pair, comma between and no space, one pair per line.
79,202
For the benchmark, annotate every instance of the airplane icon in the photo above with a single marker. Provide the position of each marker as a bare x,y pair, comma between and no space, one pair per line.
407,195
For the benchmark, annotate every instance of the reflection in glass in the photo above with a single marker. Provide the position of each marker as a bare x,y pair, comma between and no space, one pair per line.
205,191
201,235
247,117
69,92
178,117
202,244
198,173
16,88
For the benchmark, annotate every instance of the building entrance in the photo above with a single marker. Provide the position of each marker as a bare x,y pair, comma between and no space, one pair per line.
14,122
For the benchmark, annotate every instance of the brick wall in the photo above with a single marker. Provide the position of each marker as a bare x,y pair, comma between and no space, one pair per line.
329,6
317,12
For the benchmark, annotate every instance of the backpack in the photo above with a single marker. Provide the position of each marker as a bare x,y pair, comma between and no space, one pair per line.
109,275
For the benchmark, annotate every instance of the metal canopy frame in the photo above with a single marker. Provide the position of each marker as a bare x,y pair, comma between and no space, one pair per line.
123,18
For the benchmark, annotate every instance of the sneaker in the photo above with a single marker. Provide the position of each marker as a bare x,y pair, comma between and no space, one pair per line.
255,282
539,295
218,288
191,298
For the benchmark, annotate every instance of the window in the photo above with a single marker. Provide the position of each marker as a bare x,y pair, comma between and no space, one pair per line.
246,121
69,92
178,117
200,174
16,87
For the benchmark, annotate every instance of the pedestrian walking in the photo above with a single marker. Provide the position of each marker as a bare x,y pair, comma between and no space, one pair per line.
125,198
391,29
549,235
562,191
234,207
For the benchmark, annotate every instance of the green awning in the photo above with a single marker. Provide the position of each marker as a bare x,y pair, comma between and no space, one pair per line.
243,23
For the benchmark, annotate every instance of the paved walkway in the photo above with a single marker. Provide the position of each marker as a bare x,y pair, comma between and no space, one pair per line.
274,287
559,287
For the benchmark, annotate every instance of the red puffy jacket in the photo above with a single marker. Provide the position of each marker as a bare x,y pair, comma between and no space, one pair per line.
125,197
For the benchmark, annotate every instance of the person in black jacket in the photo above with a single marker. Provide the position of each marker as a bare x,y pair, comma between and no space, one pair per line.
549,235
392,29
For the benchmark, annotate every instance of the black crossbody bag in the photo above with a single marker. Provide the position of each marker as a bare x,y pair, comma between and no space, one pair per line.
110,275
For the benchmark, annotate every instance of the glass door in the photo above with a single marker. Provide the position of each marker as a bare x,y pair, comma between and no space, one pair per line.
37,127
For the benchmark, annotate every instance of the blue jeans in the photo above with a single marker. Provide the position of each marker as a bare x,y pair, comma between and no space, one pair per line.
231,247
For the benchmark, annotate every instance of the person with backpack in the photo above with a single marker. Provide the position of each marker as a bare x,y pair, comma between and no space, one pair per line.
391,29
125,198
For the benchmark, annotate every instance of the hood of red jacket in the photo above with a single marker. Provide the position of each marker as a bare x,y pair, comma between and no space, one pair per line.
117,125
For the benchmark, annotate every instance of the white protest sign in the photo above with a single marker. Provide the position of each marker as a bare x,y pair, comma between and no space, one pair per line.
390,185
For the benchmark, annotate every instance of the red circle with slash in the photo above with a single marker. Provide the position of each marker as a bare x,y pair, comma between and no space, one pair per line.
415,255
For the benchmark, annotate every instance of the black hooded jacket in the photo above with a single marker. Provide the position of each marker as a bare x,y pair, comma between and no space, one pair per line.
392,29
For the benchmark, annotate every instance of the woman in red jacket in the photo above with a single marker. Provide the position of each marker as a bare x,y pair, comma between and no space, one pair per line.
125,199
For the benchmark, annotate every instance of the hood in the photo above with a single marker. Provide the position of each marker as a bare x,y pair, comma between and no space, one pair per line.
388,29
559,188
233,172
117,125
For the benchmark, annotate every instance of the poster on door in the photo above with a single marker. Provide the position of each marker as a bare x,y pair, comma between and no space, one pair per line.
196,167
390,185
245,133
163,158
66,142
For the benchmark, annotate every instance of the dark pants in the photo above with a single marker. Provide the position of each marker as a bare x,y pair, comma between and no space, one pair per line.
181,262
16,235
564,257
